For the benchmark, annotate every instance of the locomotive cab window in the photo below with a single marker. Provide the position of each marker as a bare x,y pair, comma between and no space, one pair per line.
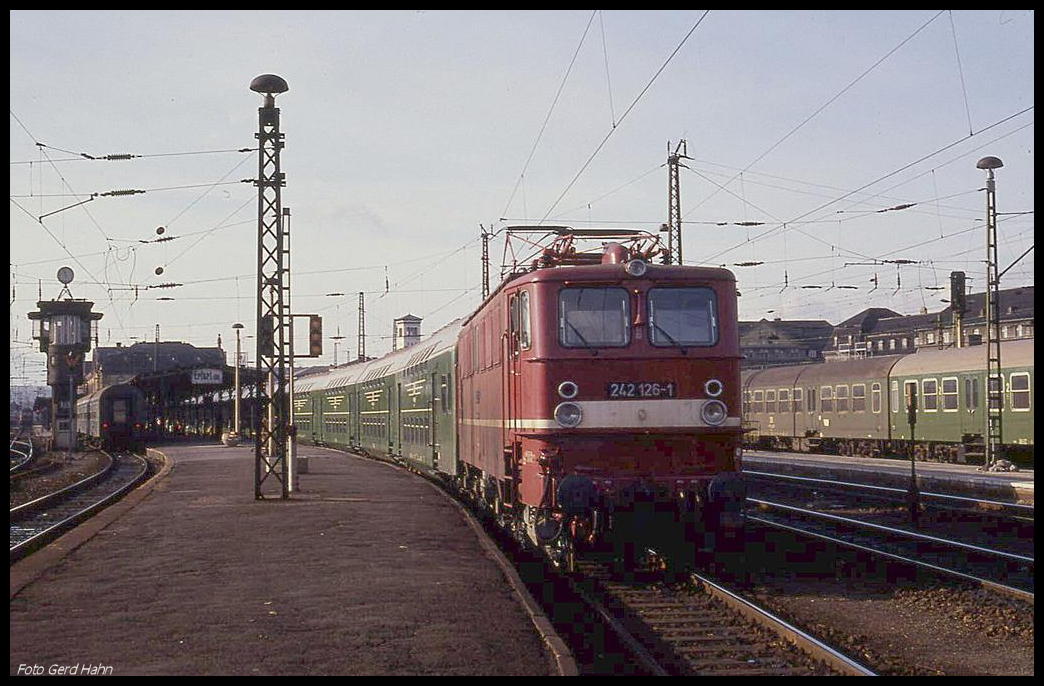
520,320
681,317
594,318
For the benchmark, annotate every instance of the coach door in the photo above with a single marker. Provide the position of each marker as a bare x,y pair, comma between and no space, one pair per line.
518,340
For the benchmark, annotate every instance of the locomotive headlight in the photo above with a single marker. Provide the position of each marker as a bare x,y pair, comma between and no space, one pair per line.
714,412
713,388
636,268
568,415
568,390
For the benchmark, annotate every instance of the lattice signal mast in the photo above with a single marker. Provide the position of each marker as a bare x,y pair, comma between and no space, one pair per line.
486,235
994,378
674,214
273,286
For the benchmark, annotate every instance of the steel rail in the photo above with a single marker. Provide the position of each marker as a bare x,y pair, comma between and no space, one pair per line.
803,641
892,530
45,501
633,644
986,583
26,456
23,547
924,494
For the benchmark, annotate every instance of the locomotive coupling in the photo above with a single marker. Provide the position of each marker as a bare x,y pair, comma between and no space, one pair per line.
726,494
577,495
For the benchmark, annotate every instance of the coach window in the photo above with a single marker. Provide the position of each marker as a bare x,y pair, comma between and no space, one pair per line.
680,317
770,401
594,318
1019,385
826,399
759,402
875,398
949,394
799,405
929,393
784,400
841,396
812,399
895,396
859,397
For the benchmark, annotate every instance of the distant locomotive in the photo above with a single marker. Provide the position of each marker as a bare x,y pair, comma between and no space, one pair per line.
858,407
587,402
113,417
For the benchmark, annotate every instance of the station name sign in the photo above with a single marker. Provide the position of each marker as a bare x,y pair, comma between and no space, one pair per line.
206,377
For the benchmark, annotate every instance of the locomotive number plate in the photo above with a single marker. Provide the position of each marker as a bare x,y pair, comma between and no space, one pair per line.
641,389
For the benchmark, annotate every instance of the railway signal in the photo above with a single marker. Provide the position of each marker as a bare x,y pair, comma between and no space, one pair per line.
912,494
315,336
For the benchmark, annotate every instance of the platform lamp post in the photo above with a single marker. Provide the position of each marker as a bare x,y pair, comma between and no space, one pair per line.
994,378
232,438
273,312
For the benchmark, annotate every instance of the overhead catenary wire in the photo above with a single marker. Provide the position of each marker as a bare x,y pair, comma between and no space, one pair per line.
550,110
624,115
119,157
875,181
827,103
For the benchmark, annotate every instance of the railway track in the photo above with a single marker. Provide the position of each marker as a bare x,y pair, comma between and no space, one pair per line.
1012,511
21,454
36,523
997,570
702,629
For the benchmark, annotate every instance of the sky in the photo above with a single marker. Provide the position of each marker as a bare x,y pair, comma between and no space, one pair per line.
405,131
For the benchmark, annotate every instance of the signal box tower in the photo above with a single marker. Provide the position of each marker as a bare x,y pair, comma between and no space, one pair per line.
65,335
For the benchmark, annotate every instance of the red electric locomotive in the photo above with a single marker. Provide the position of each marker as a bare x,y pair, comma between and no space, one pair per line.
599,403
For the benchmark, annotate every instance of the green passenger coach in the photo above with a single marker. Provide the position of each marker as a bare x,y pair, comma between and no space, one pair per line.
400,406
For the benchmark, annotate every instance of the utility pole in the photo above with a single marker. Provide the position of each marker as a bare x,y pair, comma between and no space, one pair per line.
674,215
362,327
270,440
994,379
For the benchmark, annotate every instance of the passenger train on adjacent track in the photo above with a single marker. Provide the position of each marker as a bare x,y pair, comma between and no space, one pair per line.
858,407
112,418
592,401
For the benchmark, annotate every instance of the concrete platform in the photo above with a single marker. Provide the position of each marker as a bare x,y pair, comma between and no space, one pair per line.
955,479
368,570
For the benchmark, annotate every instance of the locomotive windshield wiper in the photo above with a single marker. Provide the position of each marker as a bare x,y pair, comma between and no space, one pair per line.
579,335
669,338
